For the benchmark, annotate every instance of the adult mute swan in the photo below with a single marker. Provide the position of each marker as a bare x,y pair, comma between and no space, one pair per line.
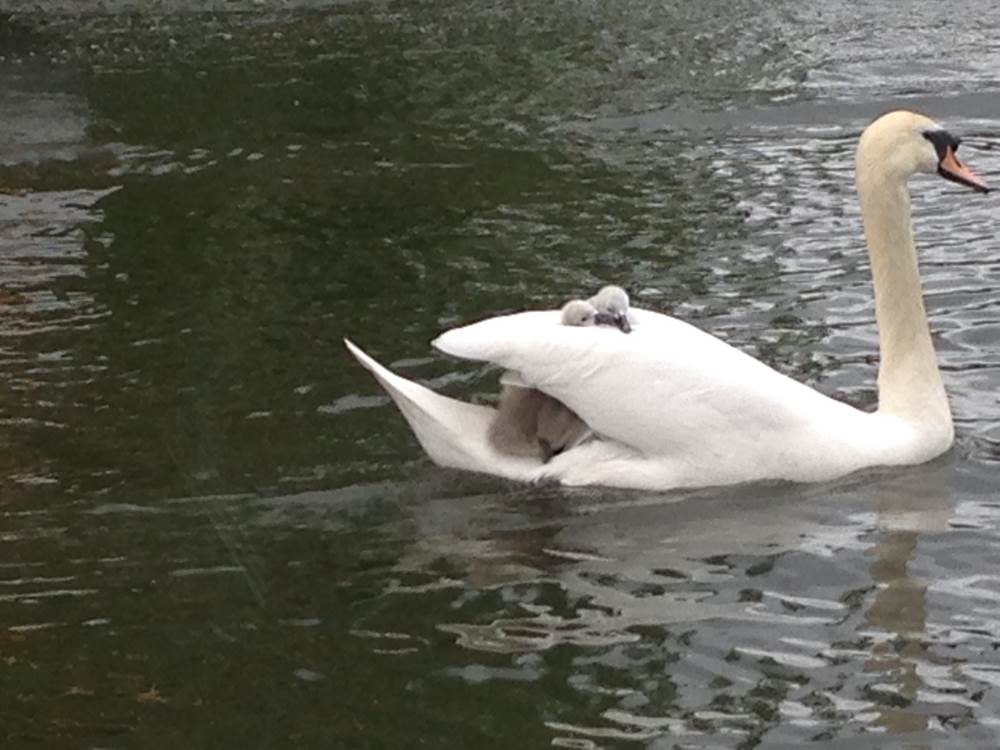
672,406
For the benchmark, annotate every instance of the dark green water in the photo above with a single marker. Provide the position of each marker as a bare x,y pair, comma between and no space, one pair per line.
215,530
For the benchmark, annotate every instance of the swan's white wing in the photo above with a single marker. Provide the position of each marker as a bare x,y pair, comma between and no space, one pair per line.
672,405
512,379
665,389
453,433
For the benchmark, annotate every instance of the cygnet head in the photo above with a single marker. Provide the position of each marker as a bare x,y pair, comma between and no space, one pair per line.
613,301
902,143
578,312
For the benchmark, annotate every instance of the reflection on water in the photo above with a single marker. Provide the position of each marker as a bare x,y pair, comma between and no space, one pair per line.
218,532
746,624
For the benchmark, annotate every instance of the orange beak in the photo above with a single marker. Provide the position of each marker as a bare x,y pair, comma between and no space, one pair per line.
952,169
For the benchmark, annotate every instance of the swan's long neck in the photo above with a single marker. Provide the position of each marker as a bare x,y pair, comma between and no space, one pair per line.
909,382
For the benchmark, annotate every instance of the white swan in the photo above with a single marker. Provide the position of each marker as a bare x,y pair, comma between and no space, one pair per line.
673,406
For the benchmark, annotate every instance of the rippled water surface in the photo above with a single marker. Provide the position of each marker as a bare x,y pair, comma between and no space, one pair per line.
217,532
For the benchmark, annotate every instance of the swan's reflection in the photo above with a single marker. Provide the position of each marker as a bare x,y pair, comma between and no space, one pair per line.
917,503
723,610
899,608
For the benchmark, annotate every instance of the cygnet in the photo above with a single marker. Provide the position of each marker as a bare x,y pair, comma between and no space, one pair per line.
612,303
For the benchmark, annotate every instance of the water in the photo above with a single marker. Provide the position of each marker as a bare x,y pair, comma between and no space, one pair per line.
218,533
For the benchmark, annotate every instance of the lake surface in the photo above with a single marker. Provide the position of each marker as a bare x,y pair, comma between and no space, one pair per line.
217,532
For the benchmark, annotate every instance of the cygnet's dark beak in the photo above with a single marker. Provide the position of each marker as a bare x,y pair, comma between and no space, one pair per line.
618,320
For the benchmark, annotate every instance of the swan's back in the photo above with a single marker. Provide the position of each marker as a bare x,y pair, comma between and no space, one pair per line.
670,391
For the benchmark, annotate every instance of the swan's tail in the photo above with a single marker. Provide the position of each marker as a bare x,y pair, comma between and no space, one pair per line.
453,433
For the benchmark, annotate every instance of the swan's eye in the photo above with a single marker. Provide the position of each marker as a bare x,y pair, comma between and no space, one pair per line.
942,140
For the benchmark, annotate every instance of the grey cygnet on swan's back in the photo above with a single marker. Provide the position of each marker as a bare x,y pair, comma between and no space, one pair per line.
612,303
578,312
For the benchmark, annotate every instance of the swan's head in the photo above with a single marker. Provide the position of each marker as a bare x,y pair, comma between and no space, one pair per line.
613,301
902,143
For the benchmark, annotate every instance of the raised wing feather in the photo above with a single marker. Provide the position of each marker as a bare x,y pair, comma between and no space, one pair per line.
663,389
